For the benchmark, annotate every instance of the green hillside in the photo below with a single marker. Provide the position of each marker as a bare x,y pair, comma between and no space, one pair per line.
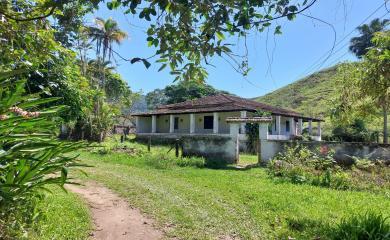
310,95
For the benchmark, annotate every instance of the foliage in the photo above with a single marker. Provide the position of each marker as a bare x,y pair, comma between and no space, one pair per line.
252,132
30,155
370,226
365,89
155,98
180,92
362,44
300,165
355,132
187,33
375,82
105,34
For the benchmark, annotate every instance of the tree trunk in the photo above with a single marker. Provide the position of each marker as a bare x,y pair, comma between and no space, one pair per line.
385,133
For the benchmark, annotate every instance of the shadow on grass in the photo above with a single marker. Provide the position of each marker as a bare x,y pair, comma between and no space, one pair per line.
232,167
316,228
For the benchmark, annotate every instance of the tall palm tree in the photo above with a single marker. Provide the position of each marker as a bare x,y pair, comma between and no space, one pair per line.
360,45
97,69
105,33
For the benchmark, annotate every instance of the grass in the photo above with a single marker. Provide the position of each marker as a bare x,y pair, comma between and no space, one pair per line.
248,159
65,216
201,203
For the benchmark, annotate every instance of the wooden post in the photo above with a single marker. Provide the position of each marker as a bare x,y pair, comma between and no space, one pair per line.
259,161
122,138
237,149
177,147
149,143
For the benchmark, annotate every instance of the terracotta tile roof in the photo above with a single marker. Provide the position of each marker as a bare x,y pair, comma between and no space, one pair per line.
220,103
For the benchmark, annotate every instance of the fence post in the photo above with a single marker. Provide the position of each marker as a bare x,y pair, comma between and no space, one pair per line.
177,147
149,143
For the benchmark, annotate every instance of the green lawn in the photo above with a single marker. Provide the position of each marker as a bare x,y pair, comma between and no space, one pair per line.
65,216
193,203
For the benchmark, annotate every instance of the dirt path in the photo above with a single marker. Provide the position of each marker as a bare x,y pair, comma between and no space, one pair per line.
113,217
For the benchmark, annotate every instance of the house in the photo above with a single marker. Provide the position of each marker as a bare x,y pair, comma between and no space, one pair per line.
208,115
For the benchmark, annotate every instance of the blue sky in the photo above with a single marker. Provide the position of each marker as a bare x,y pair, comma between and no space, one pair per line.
292,55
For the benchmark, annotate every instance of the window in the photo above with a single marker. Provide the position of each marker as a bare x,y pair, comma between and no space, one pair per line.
287,126
176,123
208,122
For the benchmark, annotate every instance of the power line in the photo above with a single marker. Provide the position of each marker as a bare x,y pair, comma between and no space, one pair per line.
338,50
329,53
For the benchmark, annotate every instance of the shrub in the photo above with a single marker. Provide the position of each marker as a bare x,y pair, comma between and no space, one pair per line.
368,226
355,132
31,157
300,165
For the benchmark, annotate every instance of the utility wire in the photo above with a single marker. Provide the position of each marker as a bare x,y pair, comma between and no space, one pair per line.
318,63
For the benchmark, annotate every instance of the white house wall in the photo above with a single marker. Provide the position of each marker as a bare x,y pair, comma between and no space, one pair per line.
163,124
145,125
199,123
184,123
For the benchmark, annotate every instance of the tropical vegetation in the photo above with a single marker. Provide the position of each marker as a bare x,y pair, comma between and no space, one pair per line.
58,79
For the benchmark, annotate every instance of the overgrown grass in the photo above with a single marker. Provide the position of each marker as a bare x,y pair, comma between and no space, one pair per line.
299,165
64,216
202,203
368,226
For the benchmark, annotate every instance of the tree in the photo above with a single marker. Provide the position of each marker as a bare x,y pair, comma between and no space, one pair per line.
186,34
375,82
180,92
105,33
361,45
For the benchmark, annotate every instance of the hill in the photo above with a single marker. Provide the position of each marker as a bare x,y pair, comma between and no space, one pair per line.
310,95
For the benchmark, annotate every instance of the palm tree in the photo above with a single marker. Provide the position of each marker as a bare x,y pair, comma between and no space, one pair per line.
105,33
97,68
360,45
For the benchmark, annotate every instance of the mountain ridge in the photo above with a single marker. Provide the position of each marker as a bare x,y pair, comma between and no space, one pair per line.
310,95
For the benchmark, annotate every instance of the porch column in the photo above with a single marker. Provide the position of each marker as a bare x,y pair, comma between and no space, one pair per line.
263,131
319,130
234,133
171,123
242,125
154,123
234,128
292,126
137,127
263,136
192,123
216,122
278,131
310,127
300,126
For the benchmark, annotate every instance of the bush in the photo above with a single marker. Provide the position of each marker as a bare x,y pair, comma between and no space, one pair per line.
368,226
31,157
300,165
355,132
